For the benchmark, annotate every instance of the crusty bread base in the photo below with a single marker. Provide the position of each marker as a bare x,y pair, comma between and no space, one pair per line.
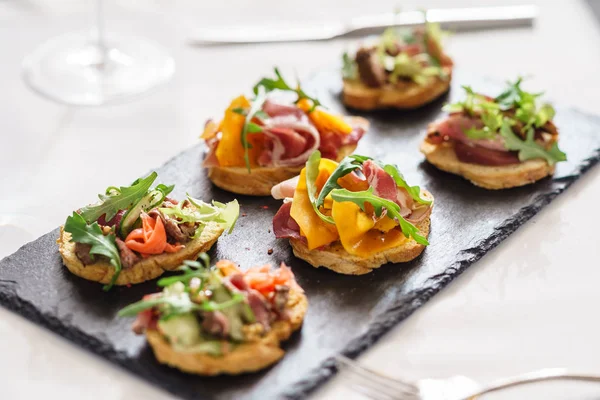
362,97
337,259
489,177
146,269
260,180
246,357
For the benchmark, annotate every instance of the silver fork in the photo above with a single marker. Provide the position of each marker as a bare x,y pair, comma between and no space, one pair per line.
378,386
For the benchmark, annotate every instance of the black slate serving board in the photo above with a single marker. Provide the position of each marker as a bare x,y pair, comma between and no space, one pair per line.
347,313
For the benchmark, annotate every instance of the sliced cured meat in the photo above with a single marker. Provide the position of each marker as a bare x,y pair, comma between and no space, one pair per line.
285,189
456,125
382,183
295,138
479,155
332,142
284,225
274,109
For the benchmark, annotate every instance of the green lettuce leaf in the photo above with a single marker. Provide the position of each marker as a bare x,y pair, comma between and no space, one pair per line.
528,149
378,203
225,214
122,199
103,245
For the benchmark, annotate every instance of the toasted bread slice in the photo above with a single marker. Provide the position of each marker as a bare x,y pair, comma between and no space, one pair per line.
260,180
245,357
148,268
411,95
489,177
337,259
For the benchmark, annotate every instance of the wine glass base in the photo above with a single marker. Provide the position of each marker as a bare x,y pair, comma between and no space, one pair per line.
71,69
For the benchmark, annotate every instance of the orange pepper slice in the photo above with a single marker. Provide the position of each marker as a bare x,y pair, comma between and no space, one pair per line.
323,121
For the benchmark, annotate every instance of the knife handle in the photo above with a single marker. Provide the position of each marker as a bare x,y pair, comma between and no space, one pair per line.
455,19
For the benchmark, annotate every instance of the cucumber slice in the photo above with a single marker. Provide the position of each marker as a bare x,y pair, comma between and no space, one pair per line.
146,203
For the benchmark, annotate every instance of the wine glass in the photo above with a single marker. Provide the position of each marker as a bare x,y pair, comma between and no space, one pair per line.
94,69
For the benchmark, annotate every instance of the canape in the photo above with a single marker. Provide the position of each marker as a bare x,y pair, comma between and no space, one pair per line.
221,320
135,233
405,69
354,216
265,140
496,142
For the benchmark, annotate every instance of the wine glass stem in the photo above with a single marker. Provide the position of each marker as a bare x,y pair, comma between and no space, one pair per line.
99,33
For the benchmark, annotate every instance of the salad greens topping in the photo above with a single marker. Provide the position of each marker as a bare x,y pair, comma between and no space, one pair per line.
101,245
176,297
513,107
183,303
529,149
347,165
133,201
117,199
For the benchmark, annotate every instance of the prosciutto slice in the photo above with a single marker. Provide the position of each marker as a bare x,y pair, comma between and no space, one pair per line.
292,142
284,225
455,126
332,142
384,186
274,109
285,189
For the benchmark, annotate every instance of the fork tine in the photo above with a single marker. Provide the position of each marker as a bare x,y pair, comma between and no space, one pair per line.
380,382
373,393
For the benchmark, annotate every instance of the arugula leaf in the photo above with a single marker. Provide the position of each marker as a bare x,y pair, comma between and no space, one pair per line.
280,84
378,203
511,95
346,166
413,191
349,68
528,149
164,189
191,269
103,245
123,199
312,172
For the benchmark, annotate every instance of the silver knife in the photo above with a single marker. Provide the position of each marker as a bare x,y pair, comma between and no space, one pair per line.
454,19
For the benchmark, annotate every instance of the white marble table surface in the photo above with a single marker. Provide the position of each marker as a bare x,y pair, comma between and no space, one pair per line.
531,303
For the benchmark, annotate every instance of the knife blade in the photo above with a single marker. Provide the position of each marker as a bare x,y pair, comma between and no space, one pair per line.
454,19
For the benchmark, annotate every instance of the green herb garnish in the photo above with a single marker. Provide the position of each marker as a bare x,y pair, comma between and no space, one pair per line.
104,245
280,84
119,199
498,115
528,149
393,210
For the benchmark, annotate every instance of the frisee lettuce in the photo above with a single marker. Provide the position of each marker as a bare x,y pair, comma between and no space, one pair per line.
104,245
119,199
393,210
